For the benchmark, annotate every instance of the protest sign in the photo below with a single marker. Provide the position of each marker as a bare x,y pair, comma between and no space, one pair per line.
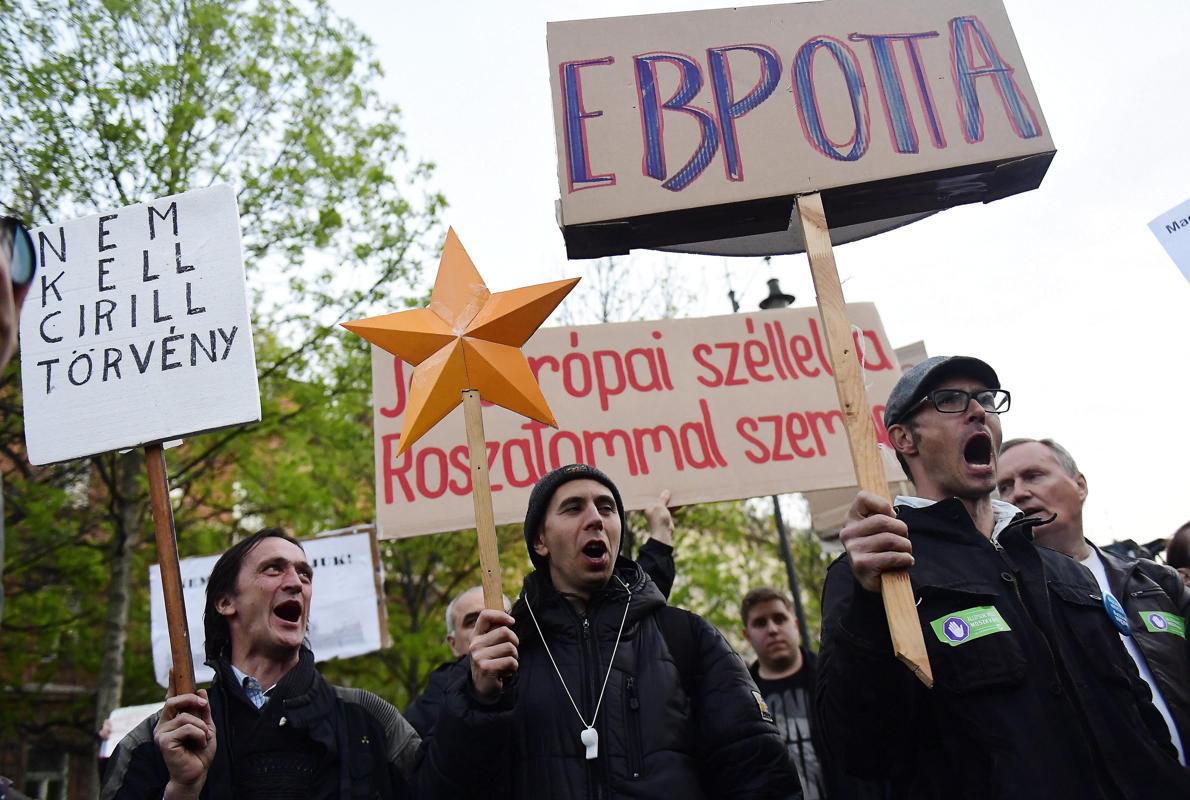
1172,229
715,408
121,722
346,608
685,128
137,328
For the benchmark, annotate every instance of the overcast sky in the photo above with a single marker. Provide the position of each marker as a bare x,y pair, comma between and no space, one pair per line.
1064,290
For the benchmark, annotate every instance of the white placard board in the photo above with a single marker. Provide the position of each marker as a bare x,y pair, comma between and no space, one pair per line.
1172,229
136,329
345,605
122,721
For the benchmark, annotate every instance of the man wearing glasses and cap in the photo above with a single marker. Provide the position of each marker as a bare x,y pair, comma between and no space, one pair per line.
16,274
1033,696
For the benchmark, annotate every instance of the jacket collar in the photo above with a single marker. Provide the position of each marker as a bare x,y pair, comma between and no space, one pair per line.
1003,513
554,610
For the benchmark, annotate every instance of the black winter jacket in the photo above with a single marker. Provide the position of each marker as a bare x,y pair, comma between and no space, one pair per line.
1052,708
655,558
664,731
381,746
1145,587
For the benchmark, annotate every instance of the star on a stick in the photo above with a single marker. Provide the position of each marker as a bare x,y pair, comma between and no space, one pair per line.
467,338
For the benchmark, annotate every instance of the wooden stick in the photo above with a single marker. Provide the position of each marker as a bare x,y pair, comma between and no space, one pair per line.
899,607
171,574
386,640
481,496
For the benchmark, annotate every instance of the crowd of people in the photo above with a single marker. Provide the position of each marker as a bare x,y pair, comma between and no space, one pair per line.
1060,669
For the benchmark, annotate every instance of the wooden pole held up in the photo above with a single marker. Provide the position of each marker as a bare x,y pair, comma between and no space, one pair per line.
481,495
171,574
895,588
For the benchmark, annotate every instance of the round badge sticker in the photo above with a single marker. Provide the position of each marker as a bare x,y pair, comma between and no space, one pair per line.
1158,622
1116,613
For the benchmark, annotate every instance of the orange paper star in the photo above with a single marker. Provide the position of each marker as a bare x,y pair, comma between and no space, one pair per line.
467,338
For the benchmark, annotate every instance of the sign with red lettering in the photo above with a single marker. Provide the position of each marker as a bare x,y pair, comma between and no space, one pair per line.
680,129
718,408
137,329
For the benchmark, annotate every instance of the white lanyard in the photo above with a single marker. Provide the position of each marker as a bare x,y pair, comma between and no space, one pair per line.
589,736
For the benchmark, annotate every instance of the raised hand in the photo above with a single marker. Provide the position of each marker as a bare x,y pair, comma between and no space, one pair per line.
876,541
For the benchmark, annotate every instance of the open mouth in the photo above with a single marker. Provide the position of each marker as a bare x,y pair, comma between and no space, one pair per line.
978,450
595,550
290,611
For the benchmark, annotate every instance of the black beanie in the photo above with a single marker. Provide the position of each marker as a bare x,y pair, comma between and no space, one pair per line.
543,492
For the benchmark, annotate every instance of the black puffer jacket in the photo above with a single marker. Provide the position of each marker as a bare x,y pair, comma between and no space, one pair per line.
655,558
1052,707
664,732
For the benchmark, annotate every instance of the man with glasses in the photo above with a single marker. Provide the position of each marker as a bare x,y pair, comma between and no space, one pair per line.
16,274
1033,695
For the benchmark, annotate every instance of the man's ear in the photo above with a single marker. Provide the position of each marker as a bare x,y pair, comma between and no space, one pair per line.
539,547
901,439
1082,486
225,606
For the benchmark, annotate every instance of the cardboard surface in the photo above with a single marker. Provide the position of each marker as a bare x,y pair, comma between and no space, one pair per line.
715,408
676,130
136,329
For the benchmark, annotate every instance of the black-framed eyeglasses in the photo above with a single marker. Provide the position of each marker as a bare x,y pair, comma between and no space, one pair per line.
15,238
955,401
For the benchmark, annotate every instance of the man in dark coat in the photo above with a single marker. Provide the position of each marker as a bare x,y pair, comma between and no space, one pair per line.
1041,478
593,687
1033,695
655,557
270,726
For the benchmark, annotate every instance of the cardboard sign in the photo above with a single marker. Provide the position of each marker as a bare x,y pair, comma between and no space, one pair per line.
1172,229
136,329
676,129
718,408
345,609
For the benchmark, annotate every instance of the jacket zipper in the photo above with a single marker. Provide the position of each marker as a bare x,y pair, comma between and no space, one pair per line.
1060,671
632,714
1146,592
596,774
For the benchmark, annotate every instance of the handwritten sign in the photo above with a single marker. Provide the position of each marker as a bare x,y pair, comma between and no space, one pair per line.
717,408
1172,229
345,619
679,128
137,328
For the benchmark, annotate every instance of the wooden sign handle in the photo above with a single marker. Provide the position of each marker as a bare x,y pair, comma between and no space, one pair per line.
481,496
895,588
171,574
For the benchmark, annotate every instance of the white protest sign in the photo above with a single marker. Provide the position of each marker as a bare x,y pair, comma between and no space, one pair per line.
136,329
345,606
121,722
1172,229
717,408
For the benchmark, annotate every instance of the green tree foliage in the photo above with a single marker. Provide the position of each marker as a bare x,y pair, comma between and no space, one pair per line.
105,103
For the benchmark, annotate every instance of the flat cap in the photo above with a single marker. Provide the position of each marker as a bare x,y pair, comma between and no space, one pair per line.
923,377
